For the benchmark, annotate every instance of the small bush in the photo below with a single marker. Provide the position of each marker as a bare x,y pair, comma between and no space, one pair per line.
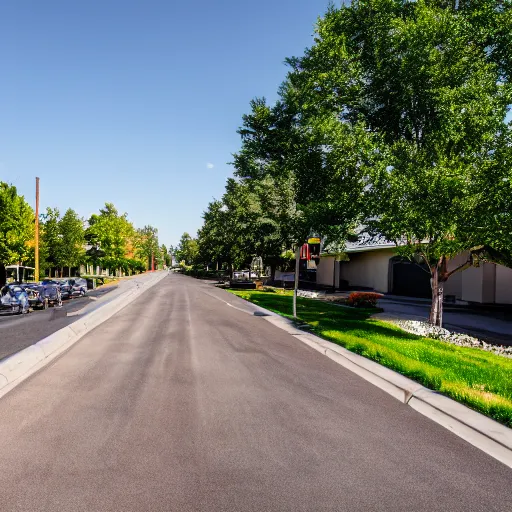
363,299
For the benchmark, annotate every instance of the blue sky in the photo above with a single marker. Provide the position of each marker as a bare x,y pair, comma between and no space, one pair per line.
137,102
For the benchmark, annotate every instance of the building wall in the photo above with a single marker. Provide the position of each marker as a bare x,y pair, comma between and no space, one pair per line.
368,269
488,283
503,285
454,285
479,283
324,271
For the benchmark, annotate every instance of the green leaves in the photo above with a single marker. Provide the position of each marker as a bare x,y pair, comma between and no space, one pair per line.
187,250
16,225
112,231
72,240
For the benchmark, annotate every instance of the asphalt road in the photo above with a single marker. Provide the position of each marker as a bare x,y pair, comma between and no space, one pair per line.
182,403
20,331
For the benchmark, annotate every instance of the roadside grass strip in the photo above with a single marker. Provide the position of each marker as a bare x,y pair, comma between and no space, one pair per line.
476,378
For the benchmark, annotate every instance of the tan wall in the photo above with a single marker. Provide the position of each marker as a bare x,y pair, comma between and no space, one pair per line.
454,285
479,283
487,283
368,269
472,284
503,285
324,271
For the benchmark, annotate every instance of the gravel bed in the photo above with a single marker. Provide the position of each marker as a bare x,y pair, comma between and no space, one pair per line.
441,334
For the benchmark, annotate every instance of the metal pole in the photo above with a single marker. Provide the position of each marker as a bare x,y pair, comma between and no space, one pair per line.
296,285
36,276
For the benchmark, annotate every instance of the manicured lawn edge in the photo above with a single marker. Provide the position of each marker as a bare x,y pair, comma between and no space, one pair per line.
478,379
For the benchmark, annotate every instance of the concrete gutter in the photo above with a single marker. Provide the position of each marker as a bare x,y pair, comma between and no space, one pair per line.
20,366
486,434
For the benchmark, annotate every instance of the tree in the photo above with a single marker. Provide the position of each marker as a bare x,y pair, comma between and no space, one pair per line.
72,240
113,233
429,84
16,228
166,256
188,249
215,238
50,241
147,245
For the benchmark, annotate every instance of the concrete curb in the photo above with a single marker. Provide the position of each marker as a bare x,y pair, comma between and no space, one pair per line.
16,368
482,432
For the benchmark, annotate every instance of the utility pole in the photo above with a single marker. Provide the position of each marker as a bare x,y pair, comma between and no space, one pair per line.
36,276
296,284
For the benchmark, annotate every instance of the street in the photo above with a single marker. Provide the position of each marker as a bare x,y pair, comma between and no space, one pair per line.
183,403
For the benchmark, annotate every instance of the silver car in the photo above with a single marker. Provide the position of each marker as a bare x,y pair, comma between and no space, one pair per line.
14,298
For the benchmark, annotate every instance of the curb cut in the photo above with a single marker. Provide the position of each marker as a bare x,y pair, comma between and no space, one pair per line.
18,367
482,432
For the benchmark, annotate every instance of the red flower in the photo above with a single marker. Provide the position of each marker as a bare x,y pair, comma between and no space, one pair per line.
363,299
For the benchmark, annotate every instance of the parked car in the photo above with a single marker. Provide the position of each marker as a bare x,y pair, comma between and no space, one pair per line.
52,291
14,299
36,295
78,286
65,286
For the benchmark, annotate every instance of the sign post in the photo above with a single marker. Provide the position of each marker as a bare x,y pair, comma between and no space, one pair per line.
296,285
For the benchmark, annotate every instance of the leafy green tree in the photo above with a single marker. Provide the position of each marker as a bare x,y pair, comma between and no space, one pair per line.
428,83
50,246
166,256
147,245
187,250
16,228
215,238
113,233
72,240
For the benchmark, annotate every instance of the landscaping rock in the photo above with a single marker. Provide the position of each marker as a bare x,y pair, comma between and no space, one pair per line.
441,334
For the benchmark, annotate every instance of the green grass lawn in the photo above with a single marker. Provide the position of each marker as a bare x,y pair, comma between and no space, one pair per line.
471,376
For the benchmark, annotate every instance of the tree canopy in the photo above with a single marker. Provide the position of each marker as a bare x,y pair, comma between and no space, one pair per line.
394,119
16,226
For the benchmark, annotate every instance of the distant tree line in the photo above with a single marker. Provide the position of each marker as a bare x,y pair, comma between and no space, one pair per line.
107,239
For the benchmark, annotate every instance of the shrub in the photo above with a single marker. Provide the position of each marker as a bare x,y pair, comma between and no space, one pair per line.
363,299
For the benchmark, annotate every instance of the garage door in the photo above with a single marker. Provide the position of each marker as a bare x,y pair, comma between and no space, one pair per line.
410,279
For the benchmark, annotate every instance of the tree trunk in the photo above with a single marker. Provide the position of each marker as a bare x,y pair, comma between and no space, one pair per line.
439,275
